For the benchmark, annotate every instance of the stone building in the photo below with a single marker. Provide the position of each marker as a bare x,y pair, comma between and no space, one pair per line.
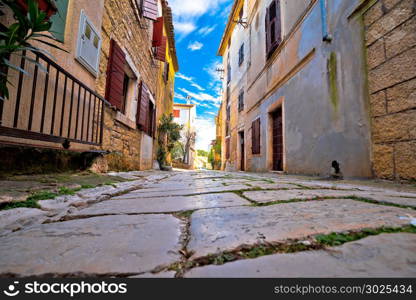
299,87
105,94
390,41
185,115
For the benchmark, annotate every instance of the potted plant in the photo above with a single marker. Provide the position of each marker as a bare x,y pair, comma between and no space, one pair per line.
47,6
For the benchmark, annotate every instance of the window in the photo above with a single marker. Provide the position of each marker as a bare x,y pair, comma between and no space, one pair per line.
228,68
146,111
166,72
227,96
241,101
59,20
176,113
89,45
273,27
227,148
228,113
241,55
241,12
126,84
148,9
255,137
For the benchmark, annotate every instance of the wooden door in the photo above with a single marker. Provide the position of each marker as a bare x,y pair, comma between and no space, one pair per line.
277,140
242,151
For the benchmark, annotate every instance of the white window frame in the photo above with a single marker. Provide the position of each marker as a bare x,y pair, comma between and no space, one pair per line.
83,21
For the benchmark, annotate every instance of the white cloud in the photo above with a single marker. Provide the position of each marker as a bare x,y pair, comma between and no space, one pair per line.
204,31
187,12
195,85
190,80
206,133
184,28
180,96
184,77
200,96
194,46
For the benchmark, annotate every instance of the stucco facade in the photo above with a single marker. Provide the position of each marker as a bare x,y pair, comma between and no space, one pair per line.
315,79
79,98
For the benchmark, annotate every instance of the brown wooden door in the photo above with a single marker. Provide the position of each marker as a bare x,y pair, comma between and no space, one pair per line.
243,153
277,140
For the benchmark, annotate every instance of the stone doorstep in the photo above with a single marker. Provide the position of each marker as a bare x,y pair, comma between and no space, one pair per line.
161,205
107,246
218,230
385,255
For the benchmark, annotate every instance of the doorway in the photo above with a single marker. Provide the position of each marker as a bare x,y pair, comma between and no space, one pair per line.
277,140
242,151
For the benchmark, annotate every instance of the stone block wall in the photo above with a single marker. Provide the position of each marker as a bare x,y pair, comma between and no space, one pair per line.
123,143
390,33
122,138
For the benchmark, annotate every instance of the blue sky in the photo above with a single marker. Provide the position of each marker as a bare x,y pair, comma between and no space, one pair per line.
199,25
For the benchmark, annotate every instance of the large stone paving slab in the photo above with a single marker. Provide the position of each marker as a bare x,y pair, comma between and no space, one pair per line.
101,245
184,192
225,229
387,255
286,195
163,204
18,218
391,197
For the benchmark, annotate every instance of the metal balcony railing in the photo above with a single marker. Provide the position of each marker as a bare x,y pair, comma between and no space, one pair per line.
50,105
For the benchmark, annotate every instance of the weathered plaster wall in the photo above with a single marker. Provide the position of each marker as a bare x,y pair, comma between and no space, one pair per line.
390,42
320,86
94,11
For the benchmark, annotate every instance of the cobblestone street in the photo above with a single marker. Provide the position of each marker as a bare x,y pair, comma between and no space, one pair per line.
215,224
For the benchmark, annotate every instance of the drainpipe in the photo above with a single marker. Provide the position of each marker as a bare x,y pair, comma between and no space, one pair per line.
327,37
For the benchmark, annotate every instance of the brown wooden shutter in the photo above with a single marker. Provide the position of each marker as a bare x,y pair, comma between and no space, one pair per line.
273,27
255,137
268,43
278,24
143,107
157,32
149,9
161,50
115,75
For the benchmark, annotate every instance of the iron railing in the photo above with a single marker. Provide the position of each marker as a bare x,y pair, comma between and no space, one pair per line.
50,105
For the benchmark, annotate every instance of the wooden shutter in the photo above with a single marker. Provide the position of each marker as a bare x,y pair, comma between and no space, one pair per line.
143,107
149,9
115,76
273,27
176,113
255,137
161,50
157,32
278,24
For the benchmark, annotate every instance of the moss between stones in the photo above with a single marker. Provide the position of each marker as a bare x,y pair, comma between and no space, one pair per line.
332,73
317,242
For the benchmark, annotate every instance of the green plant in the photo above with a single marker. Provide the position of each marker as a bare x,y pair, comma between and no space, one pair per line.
18,38
169,133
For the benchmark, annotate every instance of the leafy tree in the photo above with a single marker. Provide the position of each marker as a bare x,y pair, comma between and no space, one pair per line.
202,153
169,133
18,37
